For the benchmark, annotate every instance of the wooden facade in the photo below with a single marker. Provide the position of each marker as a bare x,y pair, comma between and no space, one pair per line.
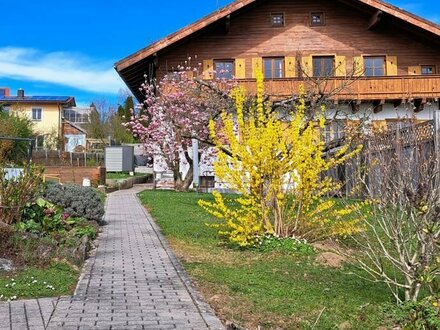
348,31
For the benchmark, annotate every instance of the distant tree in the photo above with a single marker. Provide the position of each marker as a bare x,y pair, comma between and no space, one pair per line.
96,127
105,122
124,110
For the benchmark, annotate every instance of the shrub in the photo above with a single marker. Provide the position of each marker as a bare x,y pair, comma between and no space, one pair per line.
15,193
42,217
16,126
423,315
77,201
277,166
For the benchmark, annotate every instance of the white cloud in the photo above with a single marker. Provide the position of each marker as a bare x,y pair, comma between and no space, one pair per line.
68,69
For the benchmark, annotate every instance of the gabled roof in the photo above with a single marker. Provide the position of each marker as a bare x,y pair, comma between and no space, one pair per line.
64,100
79,128
238,4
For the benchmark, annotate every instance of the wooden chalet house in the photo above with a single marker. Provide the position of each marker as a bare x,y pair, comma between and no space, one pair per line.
391,56
383,61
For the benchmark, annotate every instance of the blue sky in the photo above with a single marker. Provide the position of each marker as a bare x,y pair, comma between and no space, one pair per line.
53,47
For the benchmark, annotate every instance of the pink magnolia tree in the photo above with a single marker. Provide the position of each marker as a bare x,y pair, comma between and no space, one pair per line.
176,110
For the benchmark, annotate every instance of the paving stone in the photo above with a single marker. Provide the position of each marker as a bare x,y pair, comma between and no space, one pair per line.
132,281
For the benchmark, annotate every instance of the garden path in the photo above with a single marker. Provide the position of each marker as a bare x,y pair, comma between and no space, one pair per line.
133,281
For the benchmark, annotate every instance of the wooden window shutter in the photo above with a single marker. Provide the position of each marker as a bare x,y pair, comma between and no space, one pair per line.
414,70
307,66
257,65
240,68
290,65
358,66
340,66
208,68
391,65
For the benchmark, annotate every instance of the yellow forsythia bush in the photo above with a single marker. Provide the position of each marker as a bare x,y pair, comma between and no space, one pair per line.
276,167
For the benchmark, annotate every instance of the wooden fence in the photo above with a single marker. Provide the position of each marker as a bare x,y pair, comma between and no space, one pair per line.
409,151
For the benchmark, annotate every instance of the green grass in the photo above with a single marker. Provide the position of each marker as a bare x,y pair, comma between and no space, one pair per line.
56,280
121,175
269,289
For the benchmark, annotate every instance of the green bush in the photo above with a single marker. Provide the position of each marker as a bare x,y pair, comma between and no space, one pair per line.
17,192
419,315
45,218
77,201
41,217
16,126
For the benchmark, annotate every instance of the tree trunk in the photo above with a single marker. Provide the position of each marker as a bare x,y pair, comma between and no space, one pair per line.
183,184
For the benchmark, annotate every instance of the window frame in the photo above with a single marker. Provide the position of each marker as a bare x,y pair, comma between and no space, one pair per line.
283,18
322,67
224,61
273,68
317,13
374,57
424,66
40,111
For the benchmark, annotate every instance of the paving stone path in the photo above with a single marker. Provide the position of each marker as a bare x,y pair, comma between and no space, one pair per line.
132,281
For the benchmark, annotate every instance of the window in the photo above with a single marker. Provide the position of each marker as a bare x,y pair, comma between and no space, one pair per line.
374,66
323,66
224,69
317,19
428,69
39,142
334,130
36,113
76,116
277,20
273,67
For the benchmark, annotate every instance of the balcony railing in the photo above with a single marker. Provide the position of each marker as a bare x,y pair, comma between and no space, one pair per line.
355,88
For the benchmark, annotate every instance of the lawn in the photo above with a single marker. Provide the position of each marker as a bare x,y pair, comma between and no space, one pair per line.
122,175
42,268
58,279
273,290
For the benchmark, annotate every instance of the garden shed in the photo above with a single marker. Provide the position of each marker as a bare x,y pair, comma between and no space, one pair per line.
119,158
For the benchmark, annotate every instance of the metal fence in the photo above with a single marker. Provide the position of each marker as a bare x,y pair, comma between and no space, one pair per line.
61,158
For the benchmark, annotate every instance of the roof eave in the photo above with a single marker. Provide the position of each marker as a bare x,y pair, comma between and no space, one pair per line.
181,34
236,5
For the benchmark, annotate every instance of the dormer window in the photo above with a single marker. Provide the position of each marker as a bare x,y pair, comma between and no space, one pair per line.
317,19
277,19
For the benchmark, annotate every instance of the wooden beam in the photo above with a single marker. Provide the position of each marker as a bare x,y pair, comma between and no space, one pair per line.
419,104
375,20
378,105
155,60
396,103
227,24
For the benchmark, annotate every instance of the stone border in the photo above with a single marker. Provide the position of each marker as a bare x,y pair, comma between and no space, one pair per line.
120,184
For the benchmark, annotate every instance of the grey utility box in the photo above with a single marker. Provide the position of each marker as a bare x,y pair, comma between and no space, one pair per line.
119,159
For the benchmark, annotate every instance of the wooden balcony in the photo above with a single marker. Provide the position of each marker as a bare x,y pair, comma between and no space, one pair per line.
398,88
